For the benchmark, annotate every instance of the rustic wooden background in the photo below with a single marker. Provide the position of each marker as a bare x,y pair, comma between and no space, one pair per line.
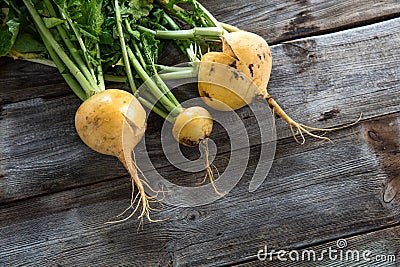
333,59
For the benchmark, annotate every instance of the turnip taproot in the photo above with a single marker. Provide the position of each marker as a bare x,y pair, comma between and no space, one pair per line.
192,126
250,55
100,121
111,122
215,81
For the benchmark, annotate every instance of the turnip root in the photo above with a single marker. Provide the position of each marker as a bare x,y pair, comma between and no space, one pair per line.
192,125
109,122
249,55
253,52
215,82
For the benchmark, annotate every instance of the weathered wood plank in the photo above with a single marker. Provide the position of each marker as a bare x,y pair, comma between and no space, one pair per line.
329,79
323,195
386,144
279,21
41,152
20,80
353,251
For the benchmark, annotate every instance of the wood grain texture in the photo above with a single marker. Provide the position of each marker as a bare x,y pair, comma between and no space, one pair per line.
42,153
21,80
322,196
382,244
329,74
279,21
348,72
386,144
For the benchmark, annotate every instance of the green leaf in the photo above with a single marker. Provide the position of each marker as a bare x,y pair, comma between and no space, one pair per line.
87,15
26,43
150,48
136,9
51,22
8,34
88,34
135,34
194,17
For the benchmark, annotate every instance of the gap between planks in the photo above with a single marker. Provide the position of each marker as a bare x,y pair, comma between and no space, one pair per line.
351,26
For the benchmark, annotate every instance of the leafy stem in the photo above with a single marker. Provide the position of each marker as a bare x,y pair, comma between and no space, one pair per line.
74,70
123,47
71,48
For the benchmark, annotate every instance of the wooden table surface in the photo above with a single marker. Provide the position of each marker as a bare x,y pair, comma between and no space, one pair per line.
333,59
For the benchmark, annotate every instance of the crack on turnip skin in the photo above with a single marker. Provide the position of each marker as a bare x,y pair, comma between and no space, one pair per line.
233,65
206,94
251,69
235,75
212,69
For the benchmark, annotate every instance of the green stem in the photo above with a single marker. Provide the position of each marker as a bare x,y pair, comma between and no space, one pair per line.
185,74
13,6
169,106
166,90
175,10
86,85
139,55
81,44
100,76
156,109
151,98
135,46
161,85
164,68
229,27
171,22
194,33
144,29
115,78
123,47
211,18
183,45
71,48
69,79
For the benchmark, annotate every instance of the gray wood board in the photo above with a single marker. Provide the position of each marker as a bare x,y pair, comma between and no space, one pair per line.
323,81
21,80
314,193
350,251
